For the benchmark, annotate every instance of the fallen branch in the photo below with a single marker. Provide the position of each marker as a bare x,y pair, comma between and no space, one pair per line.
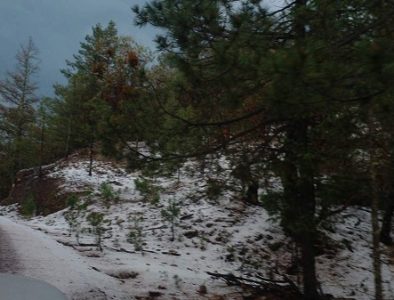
260,283
157,228
123,250
87,245
173,253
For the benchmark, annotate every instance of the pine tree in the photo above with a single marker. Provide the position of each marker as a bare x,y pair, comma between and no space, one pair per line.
18,99
284,82
98,102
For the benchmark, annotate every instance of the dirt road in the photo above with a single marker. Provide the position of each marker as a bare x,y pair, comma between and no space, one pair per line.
8,257
28,252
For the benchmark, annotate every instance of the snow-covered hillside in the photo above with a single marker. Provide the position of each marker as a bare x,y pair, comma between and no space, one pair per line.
224,236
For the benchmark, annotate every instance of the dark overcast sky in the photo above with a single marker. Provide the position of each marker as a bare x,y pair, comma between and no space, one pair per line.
58,26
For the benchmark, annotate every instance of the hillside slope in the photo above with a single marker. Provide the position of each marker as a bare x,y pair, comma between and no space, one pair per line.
224,236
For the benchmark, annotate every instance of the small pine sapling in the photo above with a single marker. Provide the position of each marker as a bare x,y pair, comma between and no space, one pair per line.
96,219
108,194
177,281
214,189
136,235
72,201
142,185
29,207
149,191
171,214
73,214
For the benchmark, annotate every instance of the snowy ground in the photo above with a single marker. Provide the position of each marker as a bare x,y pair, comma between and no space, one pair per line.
41,257
224,236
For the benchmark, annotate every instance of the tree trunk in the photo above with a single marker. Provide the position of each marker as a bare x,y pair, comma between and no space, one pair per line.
252,196
68,137
385,233
307,203
41,149
172,232
303,191
377,267
373,169
91,154
17,154
298,217
308,267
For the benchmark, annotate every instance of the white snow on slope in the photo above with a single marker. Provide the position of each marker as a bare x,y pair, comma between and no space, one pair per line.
224,236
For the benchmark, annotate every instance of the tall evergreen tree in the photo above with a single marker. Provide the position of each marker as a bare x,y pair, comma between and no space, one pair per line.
98,101
293,73
18,99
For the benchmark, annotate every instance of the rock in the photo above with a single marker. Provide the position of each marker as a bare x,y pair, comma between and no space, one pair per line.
259,237
230,257
219,239
275,246
186,217
191,234
92,294
123,274
155,294
116,183
91,254
202,290
269,237
171,252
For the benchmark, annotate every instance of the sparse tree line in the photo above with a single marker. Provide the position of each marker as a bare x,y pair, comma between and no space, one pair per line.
303,94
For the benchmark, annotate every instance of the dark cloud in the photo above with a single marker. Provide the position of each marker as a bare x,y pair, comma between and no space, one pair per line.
57,27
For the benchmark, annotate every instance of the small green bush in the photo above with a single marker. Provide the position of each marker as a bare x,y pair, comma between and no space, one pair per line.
72,201
29,206
74,213
272,202
136,236
171,215
148,191
214,189
96,220
108,194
